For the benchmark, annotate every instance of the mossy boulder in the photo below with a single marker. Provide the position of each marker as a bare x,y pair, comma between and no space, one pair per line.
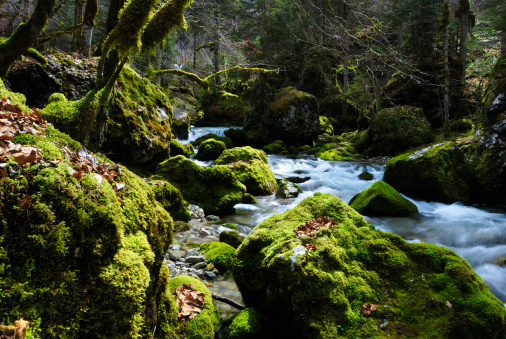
248,199
381,199
180,123
396,129
488,154
251,167
332,108
171,199
231,238
325,126
292,116
223,108
228,142
336,151
317,76
276,147
210,149
437,173
216,190
220,254
320,294
365,176
204,325
177,148
247,324
287,189
237,135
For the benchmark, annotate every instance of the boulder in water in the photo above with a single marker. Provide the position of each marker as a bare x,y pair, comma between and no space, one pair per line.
223,108
228,142
436,173
315,287
250,166
215,189
287,189
276,147
237,135
180,123
176,148
381,199
210,149
365,176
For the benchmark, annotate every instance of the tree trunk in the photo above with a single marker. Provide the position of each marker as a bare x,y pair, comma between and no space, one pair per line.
503,42
78,18
216,40
446,72
86,41
90,12
158,62
25,35
465,11
346,49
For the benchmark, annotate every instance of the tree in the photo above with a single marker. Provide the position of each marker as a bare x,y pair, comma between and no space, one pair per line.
465,18
90,12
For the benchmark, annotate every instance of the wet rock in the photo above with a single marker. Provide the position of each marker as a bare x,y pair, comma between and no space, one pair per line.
195,259
176,255
212,218
210,275
365,176
204,233
180,123
232,238
199,265
298,180
287,189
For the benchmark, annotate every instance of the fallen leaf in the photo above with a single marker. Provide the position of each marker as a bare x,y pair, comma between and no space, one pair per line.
367,309
310,227
25,201
190,301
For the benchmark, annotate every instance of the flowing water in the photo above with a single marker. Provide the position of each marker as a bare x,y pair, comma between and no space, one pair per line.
475,233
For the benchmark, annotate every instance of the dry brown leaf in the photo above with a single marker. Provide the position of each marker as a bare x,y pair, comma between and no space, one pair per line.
310,247
310,227
3,172
190,301
25,201
367,309
20,328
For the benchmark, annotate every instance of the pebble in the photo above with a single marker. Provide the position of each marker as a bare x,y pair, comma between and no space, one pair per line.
204,233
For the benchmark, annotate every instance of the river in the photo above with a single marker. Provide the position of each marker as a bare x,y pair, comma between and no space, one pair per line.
478,234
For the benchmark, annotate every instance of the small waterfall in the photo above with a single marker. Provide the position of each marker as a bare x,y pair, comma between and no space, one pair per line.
197,132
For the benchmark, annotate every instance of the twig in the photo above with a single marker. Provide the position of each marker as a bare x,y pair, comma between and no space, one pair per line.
228,301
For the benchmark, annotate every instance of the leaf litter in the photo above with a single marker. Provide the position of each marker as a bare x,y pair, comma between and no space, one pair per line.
310,227
190,301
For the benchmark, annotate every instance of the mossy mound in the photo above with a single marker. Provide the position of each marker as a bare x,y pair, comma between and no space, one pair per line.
171,199
210,149
437,173
336,151
287,189
15,98
231,238
461,125
276,147
381,199
292,116
250,166
396,129
248,199
216,190
177,148
365,176
78,262
203,325
237,135
488,155
228,142
223,108
319,294
247,324
221,255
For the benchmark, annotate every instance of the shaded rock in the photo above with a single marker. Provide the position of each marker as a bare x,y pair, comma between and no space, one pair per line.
246,324
365,176
195,259
180,123
216,189
381,199
298,180
223,108
248,199
176,148
396,129
436,173
228,142
461,125
276,147
250,166
312,295
237,135
287,189
171,199
231,238
210,149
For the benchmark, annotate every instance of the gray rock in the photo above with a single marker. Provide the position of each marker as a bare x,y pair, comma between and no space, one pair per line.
199,265
212,218
287,189
195,259
210,275
204,233
182,263
176,255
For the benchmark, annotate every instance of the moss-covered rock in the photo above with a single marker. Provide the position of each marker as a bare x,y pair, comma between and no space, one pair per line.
247,324
336,151
381,199
287,189
180,123
436,173
325,126
221,255
276,147
292,116
248,199
365,176
171,199
228,142
176,148
488,155
210,149
250,166
231,238
317,76
203,325
320,294
216,190
332,108
237,135
461,125
223,108
396,129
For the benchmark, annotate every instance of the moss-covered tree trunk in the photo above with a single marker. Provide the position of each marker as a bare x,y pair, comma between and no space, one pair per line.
25,36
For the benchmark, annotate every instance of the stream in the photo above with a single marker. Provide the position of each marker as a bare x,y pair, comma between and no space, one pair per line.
478,234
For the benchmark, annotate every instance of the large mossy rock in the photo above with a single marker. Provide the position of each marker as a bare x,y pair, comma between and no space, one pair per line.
488,154
177,148
181,123
228,142
292,116
204,325
210,149
421,290
216,190
381,199
396,129
223,108
251,167
437,173
171,199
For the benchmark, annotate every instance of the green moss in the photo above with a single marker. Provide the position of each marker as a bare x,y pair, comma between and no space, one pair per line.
34,54
251,168
216,190
210,149
231,238
223,108
365,176
287,189
171,199
15,98
247,324
56,97
248,199
232,226
176,148
277,147
332,155
204,324
228,142
220,254
320,294
383,200
325,126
